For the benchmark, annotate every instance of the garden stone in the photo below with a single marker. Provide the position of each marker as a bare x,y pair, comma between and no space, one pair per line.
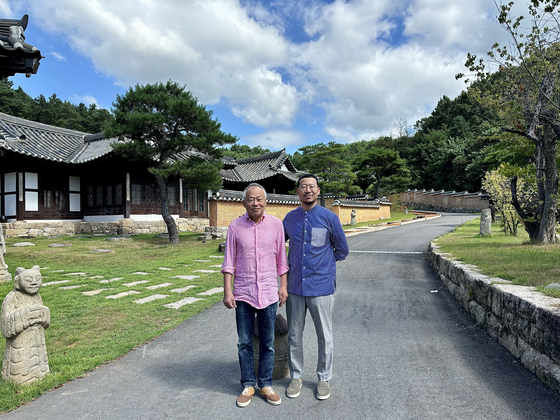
353,218
281,368
24,244
485,222
553,286
4,274
24,319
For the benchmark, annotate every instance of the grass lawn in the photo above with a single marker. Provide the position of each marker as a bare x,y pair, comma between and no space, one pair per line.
512,258
88,331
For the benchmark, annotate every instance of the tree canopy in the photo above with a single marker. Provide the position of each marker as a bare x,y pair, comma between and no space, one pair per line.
166,128
52,111
526,94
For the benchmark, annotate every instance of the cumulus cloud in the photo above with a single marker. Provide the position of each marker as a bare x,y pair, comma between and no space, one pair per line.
276,139
58,56
85,99
215,48
365,64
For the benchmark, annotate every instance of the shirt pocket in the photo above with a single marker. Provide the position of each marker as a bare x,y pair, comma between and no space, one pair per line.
318,236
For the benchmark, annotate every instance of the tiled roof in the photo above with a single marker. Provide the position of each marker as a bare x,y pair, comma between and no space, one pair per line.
17,56
259,167
51,143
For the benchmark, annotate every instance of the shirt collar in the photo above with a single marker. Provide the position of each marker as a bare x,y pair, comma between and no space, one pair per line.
251,220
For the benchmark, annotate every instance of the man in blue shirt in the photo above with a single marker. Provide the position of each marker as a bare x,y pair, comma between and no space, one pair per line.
317,241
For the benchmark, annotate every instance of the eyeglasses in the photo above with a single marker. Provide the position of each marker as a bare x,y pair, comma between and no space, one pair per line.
312,187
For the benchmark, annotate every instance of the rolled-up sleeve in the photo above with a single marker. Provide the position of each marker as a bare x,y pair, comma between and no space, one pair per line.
230,251
281,258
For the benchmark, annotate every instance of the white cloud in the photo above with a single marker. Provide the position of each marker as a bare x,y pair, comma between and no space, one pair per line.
213,47
58,56
6,10
275,139
85,99
358,67
364,83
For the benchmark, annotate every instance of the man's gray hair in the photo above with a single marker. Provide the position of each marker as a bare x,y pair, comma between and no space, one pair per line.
251,185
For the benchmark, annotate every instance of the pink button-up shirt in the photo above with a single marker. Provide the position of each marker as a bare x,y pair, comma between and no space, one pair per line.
255,254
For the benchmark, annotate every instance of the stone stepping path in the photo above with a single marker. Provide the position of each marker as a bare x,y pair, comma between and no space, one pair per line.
94,292
216,256
216,266
212,291
185,277
150,299
183,289
136,283
175,305
182,302
157,286
59,245
102,251
112,280
123,294
56,282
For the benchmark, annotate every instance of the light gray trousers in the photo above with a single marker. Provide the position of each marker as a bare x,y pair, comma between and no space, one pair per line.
321,310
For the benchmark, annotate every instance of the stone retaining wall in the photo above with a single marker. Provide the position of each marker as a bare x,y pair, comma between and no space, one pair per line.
525,322
122,227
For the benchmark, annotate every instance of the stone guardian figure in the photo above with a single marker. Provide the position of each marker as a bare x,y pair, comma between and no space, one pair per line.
24,319
4,274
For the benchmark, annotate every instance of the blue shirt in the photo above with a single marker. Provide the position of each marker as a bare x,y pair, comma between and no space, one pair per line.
317,241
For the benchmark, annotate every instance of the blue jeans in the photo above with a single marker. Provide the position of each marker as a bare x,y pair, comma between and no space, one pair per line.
245,318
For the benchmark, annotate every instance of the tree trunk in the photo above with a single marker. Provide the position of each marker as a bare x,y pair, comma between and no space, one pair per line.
531,226
547,231
541,226
172,229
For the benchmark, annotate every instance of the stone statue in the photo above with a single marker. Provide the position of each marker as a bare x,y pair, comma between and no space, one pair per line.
23,323
353,217
4,275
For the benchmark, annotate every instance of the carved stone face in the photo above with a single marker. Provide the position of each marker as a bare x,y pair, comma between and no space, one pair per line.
30,281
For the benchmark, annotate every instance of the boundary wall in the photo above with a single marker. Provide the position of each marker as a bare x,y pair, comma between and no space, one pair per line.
223,212
525,322
450,201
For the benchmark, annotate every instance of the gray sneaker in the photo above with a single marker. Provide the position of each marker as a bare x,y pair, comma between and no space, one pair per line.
294,388
323,390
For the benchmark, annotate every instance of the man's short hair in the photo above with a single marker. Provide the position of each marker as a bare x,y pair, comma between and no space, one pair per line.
251,185
307,176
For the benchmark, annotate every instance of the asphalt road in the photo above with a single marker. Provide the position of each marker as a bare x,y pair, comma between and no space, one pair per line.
404,349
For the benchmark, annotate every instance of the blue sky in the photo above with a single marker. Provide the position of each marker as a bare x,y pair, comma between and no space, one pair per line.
277,73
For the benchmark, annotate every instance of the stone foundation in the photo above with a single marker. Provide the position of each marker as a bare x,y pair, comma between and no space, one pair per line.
525,322
122,227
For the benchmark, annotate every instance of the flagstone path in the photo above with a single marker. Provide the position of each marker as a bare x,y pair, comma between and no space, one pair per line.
134,284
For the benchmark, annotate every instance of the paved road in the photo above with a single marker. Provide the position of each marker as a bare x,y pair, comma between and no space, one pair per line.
404,349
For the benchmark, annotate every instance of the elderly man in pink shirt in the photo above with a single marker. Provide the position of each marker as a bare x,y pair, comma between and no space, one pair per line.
255,255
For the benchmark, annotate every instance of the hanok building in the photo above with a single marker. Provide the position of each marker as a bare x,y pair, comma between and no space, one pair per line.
49,173
274,171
